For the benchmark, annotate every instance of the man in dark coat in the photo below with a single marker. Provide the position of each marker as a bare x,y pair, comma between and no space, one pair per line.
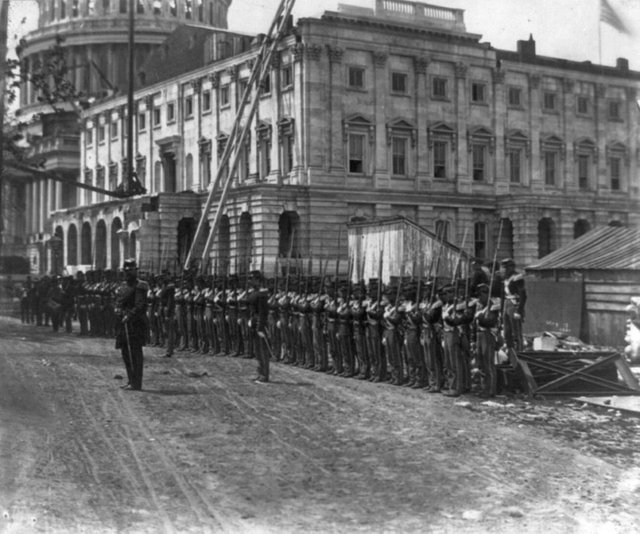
131,327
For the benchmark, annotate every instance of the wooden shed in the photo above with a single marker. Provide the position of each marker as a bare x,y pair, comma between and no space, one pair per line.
604,266
406,250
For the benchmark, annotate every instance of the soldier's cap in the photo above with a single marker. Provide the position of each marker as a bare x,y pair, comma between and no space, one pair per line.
482,288
508,261
129,264
447,287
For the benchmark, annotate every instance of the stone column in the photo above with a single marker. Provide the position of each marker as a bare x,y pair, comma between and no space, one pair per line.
501,182
421,98
462,117
382,173
535,111
334,111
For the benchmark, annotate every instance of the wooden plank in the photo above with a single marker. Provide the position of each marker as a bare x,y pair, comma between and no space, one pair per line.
627,375
528,377
624,288
613,299
604,306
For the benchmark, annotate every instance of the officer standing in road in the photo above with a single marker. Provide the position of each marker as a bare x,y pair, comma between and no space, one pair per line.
131,330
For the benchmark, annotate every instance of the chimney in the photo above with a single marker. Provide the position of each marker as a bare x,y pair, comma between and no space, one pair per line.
622,63
527,49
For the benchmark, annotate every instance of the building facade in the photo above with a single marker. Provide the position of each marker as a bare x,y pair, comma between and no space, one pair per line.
367,113
95,40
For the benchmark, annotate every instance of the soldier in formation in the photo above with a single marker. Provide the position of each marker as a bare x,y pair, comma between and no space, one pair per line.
426,334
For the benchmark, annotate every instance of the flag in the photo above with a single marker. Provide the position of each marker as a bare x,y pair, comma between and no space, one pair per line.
610,17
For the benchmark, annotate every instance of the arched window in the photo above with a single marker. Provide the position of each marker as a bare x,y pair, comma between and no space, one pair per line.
72,245
546,236
101,245
116,226
288,234
245,242
224,245
86,251
580,227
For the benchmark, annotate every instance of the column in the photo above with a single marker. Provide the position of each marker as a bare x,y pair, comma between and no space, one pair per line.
334,112
463,181
535,111
382,175
421,97
501,183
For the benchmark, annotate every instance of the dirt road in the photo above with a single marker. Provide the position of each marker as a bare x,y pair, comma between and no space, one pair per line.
204,449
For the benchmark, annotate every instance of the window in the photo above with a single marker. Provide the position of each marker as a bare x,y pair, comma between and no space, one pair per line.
442,230
206,101
171,112
123,6
287,154
514,161
140,7
399,156
188,107
142,122
114,130
478,93
286,77
156,117
515,97
550,167
263,137
583,171
266,84
399,83
224,96
440,159
439,88
582,105
478,152
356,153
480,239
243,84
173,8
63,9
89,137
356,78
549,101
101,133
188,9
157,7
615,110
614,172
75,8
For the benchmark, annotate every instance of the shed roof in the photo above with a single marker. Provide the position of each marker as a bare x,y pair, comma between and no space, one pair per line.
608,247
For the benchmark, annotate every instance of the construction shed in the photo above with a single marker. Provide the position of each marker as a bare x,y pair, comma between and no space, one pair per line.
398,247
584,287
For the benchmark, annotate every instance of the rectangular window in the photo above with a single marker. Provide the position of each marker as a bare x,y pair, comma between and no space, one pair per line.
224,96
583,105
515,165
75,11
550,165
188,107
101,133
140,7
614,111
123,6
515,97
549,101
142,122
356,78
206,100
63,9
583,171
286,77
266,85
440,159
171,112
287,153
442,230
243,84
614,169
479,164
156,117
480,239
114,130
439,88
157,7
264,156
399,156
478,93
356,153
399,82
89,137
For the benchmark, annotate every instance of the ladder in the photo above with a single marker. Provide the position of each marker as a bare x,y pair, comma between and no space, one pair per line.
232,150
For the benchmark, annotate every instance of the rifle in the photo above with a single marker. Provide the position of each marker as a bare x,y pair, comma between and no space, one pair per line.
493,265
350,269
379,292
419,280
437,263
286,283
335,283
309,270
455,271
275,277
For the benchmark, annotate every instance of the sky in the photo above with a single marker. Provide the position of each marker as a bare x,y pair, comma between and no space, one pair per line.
562,28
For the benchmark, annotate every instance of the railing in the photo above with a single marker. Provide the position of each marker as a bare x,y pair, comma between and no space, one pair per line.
420,11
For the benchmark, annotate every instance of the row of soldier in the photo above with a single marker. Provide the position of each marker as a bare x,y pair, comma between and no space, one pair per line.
417,333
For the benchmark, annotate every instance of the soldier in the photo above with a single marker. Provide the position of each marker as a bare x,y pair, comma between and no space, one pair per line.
358,327
219,314
411,327
390,337
319,342
244,315
331,310
54,302
131,334
375,311
68,301
454,367
345,336
431,339
202,342
272,321
211,340
25,308
257,300
515,297
168,312
82,304
180,316
236,344
484,336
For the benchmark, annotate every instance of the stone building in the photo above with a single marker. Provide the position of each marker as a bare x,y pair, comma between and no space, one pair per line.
95,39
368,113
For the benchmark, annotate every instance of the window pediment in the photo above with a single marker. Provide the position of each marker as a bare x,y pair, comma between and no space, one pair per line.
358,123
585,146
401,126
618,149
481,134
552,142
517,139
442,131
